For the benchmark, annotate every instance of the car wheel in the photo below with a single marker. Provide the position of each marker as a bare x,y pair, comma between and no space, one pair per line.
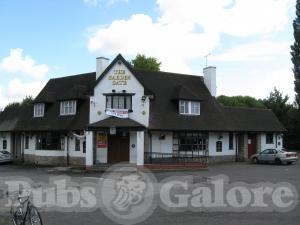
289,163
255,160
277,161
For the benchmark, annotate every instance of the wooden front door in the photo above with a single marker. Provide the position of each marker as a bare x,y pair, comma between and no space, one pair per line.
118,148
251,145
17,152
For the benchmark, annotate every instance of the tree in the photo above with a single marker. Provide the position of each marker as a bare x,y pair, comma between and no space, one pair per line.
26,101
279,105
146,63
296,53
240,101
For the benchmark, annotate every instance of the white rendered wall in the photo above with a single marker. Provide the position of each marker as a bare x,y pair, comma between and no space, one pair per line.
162,145
264,145
214,137
133,147
5,136
89,158
140,148
98,101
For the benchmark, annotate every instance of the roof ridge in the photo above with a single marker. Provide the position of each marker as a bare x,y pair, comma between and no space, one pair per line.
165,72
75,75
248,108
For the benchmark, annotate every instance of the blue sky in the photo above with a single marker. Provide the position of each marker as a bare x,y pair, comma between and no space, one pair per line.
248,40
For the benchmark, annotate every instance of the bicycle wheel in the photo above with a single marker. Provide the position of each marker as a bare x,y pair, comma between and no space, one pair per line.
35,217
16,216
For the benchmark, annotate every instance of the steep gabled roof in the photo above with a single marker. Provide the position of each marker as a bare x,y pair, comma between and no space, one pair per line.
129,67
252,119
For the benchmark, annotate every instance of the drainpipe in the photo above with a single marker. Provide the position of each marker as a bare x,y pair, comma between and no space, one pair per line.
68,159
236,148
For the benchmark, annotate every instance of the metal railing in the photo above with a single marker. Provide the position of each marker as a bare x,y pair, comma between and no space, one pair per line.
175,158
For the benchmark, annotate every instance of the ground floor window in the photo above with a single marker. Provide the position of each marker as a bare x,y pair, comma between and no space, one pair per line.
4,144
190,141
230,141
50,141
77,145
26,142
219,146
84,146
269,138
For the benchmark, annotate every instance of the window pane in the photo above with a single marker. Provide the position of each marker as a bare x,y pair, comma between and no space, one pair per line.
128,102
108,102
121,102
115,102
195,108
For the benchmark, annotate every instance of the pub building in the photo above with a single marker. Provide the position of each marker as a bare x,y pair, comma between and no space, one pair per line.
139,117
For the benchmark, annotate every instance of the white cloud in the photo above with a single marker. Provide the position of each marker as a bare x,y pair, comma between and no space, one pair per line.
256,82
17,63
16,90
258,51
189,29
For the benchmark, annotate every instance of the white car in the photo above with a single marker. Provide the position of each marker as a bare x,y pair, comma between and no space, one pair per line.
276,156
5,157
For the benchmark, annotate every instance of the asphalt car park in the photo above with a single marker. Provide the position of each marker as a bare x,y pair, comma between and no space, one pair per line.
236,172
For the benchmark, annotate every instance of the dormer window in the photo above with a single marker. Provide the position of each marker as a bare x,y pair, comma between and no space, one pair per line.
39,110
68,108
189,107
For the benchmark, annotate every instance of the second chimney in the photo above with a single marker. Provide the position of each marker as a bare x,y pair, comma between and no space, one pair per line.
210,79
101,64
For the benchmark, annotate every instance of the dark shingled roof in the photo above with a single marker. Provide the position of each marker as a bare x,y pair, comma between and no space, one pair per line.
116,122
71,87
253,119
167,89
11,118
164,113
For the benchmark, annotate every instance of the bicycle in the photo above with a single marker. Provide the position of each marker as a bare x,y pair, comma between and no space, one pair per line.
24,211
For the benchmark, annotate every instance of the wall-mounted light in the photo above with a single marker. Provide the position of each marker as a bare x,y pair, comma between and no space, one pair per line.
144,98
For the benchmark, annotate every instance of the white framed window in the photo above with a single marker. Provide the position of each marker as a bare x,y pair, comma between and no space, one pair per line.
68,108
189,107
39,110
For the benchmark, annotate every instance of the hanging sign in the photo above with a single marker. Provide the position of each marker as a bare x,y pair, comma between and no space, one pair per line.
120,113
101,140
112,130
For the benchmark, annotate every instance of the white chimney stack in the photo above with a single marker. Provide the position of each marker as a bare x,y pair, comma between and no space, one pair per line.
210,79
101,64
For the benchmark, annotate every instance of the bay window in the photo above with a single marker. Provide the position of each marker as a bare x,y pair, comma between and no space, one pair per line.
50,141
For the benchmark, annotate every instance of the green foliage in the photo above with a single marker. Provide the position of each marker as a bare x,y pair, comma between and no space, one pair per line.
296,53
279,105
26,101
287,114
240,101
12,105
146,63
